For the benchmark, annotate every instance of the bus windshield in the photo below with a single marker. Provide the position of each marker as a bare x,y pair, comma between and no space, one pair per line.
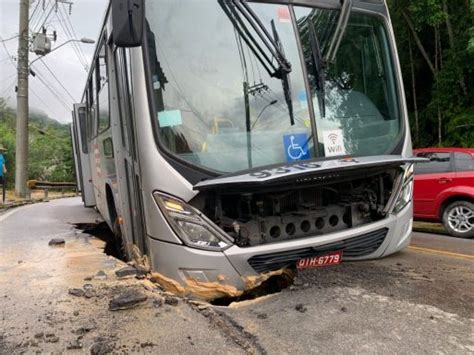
220,105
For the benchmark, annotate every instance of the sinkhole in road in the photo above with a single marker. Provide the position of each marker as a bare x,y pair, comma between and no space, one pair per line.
272,285
102,231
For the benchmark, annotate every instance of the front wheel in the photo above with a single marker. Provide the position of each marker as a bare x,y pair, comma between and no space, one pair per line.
458,219
119,244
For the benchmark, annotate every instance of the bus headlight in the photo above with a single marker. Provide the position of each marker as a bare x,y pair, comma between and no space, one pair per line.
406,192
191,226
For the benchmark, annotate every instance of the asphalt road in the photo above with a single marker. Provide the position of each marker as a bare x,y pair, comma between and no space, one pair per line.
417,301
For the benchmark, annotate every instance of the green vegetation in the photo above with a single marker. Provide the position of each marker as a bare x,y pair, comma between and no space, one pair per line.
50,150
435,40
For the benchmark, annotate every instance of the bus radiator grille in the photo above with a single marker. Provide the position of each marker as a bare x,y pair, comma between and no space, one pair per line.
361,245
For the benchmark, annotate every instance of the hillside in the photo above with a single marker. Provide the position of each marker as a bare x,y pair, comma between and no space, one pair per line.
50,150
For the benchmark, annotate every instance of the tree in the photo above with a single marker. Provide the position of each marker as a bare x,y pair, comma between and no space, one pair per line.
435,39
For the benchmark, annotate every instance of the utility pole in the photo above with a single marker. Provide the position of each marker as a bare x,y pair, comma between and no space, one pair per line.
21,158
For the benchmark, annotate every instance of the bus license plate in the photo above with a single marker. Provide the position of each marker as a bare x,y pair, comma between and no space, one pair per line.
333,258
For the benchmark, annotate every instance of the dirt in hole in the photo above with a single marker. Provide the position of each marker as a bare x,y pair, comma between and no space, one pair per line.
274,284
102,232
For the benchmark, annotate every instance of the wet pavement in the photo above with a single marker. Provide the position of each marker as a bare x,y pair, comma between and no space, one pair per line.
38,314
418,301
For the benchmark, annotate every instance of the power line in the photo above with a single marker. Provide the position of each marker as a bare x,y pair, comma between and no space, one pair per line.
71,34
44,103
8,52
57,80
14,65
53,91
66,25
77,45
8,88
48,85
34,11
55,94
5,59
43,16
47,16
10,38
68,21
39,98
35,21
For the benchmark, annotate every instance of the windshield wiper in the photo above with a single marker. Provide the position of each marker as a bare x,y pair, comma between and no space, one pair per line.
285,77
339,31
320,63
318,67
237,11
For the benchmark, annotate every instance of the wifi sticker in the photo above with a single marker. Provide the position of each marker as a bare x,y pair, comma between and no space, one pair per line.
333,138
334,143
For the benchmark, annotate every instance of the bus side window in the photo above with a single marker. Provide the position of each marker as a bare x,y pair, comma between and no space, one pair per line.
124,88
123,97
82,121
91,104
87,125
103,90
129,90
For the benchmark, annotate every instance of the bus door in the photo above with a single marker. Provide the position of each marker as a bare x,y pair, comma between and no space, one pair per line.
80,123
75,151
128,167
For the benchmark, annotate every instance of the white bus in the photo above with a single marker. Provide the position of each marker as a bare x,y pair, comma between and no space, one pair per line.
224,141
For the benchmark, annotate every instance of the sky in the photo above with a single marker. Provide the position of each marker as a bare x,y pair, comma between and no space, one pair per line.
53,97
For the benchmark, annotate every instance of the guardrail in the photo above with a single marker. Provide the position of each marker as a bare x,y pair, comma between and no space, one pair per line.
46,186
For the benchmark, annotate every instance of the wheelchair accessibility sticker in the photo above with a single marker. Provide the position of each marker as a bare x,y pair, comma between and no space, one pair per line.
296,147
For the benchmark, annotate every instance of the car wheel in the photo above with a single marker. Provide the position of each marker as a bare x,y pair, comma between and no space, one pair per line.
458,219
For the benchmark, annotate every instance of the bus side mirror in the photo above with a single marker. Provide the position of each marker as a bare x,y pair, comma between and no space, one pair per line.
127,22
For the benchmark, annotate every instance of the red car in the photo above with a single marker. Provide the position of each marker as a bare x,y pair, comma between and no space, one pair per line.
444,189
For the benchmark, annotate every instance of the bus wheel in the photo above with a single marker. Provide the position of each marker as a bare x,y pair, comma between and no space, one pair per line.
119,245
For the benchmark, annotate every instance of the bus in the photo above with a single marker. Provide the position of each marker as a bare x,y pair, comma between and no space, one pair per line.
226,141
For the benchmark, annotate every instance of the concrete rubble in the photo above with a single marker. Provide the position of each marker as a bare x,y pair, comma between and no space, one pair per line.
126,272
126,300
100,275
57,242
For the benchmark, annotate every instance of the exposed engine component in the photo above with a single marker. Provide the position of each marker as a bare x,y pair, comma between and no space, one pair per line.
286,214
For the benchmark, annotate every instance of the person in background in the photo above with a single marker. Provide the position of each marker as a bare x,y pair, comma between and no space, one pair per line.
3,171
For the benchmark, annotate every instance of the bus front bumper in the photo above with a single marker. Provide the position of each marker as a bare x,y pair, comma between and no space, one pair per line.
221,274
